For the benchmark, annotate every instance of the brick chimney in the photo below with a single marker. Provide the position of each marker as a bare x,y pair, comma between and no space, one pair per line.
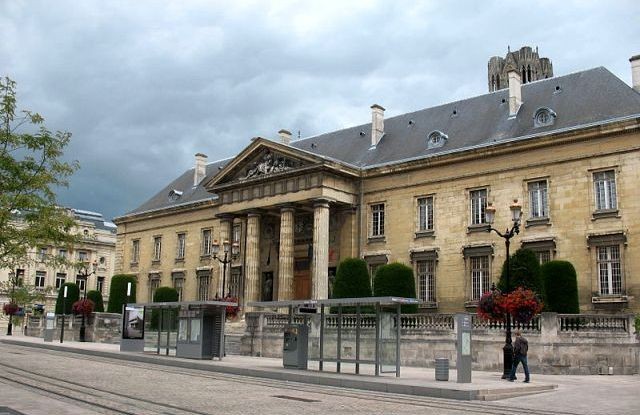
201,169
635,72
377,124
285,137
515,92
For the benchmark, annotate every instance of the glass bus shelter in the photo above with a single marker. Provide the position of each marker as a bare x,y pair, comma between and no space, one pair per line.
348,328
191,329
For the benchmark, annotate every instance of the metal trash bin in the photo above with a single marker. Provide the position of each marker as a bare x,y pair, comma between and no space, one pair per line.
442,369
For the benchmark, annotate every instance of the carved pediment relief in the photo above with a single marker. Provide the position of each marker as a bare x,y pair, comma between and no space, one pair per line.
269,162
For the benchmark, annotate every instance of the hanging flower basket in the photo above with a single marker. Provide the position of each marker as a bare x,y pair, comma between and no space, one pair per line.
232,311
83,307
491,306
523,304
10,308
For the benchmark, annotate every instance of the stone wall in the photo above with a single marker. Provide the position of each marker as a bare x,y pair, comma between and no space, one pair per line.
99,327
558,344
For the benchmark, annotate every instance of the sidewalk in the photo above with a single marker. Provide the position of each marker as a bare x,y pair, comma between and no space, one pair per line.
412,380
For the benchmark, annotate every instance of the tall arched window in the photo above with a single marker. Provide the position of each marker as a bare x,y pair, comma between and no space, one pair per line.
497,82
524,75
493,82
529,73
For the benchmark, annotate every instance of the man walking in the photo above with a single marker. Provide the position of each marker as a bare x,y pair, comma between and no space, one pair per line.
520,349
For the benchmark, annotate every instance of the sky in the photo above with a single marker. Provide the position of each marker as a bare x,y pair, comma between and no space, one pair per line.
144,85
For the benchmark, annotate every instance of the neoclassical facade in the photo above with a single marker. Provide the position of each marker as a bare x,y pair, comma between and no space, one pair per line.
412,188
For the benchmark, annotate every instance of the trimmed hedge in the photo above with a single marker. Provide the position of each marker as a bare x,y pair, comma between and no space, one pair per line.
561,287
165,295
525,272
396,279
118,292
96,297
352,281
73,295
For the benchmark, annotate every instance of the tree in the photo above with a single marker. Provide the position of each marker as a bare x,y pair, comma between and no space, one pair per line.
64,306
24,295
396,279
352,281
525,272
118,292
30,170
561,286
96,297
165,295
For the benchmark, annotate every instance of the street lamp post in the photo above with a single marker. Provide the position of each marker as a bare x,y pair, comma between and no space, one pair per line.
64,309
84,273
516,212
235,250
12,278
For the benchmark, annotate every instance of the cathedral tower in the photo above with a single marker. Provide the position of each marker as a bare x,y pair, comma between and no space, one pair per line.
529,64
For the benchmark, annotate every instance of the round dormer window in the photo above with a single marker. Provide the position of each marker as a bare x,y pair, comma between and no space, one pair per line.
543,117
436,139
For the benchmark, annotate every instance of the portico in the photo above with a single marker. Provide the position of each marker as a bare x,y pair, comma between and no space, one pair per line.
296,213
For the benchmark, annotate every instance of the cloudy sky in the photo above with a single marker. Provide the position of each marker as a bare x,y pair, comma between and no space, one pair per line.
144,85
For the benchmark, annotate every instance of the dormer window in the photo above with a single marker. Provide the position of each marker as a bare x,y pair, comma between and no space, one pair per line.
174,195
436,139
544,117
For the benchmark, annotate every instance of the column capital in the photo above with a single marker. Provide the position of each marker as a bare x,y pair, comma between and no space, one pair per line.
225,217
286,207
254,214
321,202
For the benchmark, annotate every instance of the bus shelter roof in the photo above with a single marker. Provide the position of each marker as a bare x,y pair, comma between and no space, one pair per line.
189,304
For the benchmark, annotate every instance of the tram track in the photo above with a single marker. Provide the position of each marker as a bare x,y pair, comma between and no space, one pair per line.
328,391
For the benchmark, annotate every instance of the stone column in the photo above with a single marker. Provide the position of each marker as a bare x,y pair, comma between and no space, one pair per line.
225,235
285,263
252,284
320,263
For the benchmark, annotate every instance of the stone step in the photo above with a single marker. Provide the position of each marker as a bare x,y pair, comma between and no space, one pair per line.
496,394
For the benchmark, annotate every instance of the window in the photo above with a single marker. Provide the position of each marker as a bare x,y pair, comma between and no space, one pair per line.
82,283
180,246
40,279
538,200
425,214
436,139
237,232
604,184
206,242
100,284
42,253
157,248
135,251
234,281
178,284
19,277
479,276
62,253
377,219
83,256
154,284
478,206
543,256
609,270
203,287
61,277
373,263
426,280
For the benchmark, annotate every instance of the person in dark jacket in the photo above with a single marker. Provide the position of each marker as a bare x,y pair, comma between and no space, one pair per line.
520,349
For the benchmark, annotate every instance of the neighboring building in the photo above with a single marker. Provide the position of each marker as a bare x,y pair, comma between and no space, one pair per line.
525,61
414,189
97,247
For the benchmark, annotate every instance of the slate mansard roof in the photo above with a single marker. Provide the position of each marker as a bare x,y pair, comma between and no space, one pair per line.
590,97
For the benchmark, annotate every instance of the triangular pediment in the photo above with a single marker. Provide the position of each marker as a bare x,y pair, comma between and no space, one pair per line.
260,160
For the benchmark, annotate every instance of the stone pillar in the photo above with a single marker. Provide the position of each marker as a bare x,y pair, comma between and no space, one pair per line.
285,263
252,284
225,235
320,263
349,234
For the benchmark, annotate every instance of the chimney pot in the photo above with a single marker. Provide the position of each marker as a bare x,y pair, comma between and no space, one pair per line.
377,124
635,72
285,137
201,168
515,92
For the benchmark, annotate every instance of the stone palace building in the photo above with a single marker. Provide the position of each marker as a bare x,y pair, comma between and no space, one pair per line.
414,188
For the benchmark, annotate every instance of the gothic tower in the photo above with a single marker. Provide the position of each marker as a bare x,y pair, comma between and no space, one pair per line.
529,64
